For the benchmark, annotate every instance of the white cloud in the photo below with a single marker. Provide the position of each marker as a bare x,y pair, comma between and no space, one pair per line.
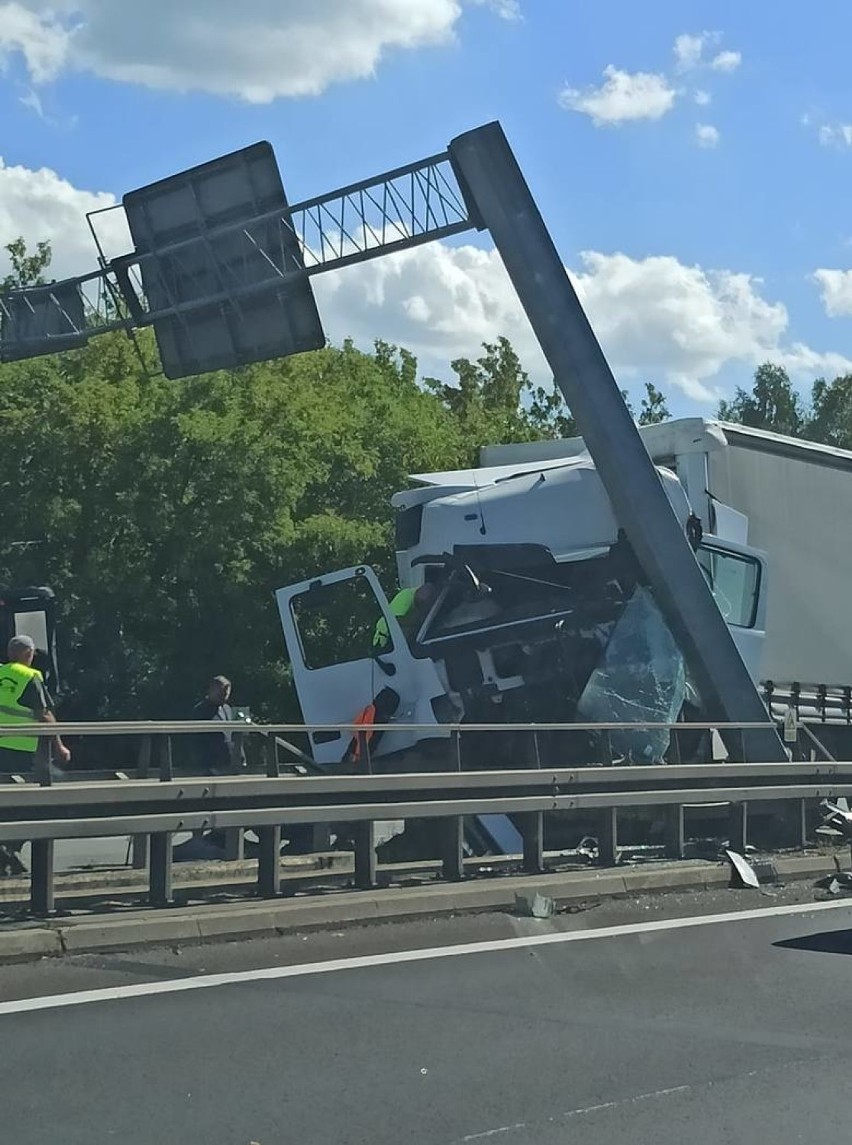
702,98
835,135
621,97
726,61
40,205
37,36
505,9
656,317
706,135
835,291
257,50
689,49
32,100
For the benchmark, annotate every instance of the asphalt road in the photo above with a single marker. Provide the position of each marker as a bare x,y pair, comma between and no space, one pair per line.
730,1031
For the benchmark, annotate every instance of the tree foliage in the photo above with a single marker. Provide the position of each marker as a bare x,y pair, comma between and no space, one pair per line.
166,513
774,404
493,400
27,269
653,409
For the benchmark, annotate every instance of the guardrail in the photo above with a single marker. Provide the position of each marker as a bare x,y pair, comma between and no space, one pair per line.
155,808
817,703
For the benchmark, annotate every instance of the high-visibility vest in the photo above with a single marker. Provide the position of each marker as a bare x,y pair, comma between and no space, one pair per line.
14,679
400,606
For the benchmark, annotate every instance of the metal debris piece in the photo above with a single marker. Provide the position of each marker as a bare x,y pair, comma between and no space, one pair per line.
765,870
840,883
535,905
837,816
742,872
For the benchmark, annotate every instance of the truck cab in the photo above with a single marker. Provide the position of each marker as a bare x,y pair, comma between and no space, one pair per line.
539,607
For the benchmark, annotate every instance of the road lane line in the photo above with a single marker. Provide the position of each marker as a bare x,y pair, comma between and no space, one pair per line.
362,962
583,1111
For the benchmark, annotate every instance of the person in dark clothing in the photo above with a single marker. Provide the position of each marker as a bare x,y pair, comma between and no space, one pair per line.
215,753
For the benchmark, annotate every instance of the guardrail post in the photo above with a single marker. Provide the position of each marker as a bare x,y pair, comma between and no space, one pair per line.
532,830
608,838
532,826
608,758
675,841
452,848
234,844
365,855
139,843
801,812
161,892
42,888
160,843
269,851
166,760
269,862
738,827
235,848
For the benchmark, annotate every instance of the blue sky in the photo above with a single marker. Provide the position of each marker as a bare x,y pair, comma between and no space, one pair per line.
691,159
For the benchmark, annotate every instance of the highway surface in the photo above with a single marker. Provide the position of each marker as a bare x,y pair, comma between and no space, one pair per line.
589,1027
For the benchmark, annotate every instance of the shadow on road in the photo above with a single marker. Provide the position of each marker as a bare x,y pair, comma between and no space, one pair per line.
826,942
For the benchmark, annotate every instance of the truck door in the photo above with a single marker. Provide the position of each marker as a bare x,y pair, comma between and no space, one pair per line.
737,577
328,625
32,612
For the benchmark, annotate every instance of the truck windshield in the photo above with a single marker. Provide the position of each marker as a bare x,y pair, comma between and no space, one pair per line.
734,580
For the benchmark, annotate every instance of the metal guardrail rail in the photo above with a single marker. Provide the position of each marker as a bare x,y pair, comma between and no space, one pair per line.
155,808
813,703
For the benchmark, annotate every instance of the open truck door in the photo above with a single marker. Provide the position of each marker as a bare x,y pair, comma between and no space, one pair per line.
31,612
329,623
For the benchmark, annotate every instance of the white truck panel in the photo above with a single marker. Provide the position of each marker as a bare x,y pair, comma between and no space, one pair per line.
799,508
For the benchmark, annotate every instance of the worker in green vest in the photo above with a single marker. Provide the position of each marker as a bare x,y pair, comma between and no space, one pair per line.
24,700
409,606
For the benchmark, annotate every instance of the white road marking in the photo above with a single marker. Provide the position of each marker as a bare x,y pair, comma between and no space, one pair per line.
362,962
501,1130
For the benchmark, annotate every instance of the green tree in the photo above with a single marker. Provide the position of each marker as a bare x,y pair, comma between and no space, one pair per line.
653,408
169,512
830,420
493,400
773,403
27,269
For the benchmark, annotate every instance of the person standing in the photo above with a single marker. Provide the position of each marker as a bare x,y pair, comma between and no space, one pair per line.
214,753
24,699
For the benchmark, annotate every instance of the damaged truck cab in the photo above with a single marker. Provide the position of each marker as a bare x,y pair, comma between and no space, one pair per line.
539,611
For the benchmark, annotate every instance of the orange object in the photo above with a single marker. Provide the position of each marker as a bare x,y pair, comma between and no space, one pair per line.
365,718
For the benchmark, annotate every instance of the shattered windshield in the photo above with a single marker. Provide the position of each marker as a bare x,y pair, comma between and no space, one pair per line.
641,676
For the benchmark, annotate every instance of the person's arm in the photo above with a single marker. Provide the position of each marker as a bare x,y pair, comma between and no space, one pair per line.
37,698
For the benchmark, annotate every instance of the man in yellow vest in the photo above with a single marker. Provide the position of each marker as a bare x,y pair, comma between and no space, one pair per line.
409,606
24,700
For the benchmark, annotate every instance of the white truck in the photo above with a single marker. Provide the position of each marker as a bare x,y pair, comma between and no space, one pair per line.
539,613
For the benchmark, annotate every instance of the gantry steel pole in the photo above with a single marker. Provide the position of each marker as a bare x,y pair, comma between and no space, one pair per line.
498,199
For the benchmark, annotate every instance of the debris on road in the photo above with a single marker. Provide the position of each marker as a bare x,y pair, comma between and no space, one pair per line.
535,905
742,872
840,883
837,816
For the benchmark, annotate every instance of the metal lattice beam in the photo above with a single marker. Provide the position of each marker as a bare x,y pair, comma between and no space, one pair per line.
394,211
